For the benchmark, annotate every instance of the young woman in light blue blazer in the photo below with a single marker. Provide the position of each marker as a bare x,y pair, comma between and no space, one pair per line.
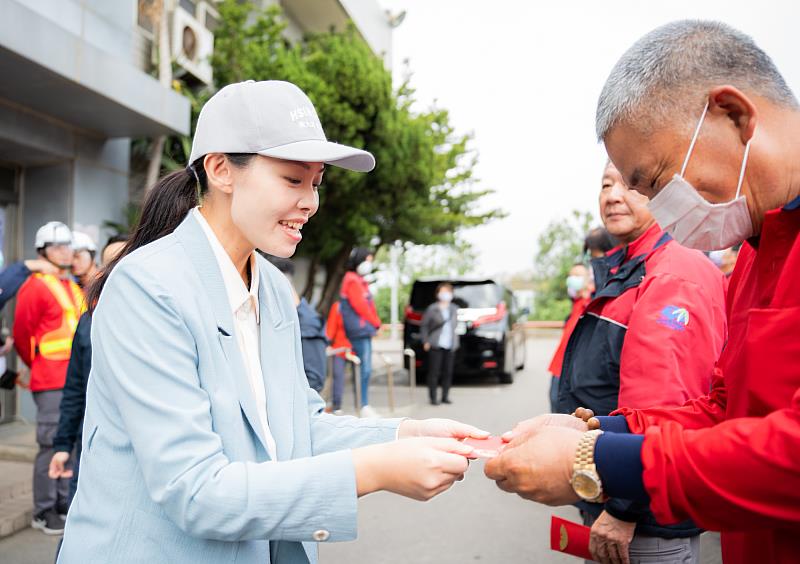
203,442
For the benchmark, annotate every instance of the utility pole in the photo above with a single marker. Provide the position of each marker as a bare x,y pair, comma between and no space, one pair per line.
394,253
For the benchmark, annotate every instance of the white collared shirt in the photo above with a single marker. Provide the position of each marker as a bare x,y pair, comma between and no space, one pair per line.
246,319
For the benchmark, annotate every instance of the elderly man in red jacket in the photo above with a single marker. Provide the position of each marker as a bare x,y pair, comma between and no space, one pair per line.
650,337
697,118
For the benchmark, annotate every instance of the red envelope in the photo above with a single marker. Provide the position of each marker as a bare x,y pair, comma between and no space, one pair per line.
486,448
569,538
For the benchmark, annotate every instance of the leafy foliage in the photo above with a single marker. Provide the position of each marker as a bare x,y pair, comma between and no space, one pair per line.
422,190
560,246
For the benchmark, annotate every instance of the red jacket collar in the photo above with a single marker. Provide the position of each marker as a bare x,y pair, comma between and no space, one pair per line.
641,246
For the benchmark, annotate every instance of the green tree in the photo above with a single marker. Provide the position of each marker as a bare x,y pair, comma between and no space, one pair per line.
559,247
422,190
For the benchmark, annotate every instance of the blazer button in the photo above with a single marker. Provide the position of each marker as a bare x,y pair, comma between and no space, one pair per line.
321,535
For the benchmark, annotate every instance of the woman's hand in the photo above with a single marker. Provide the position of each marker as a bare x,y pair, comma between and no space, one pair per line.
57,463
419,468
610,539
446,428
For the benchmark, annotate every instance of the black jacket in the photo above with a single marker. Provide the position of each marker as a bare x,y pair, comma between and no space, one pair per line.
73,402
433,324
314,342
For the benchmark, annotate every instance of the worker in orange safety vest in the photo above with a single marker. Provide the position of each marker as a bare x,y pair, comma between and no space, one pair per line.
48,309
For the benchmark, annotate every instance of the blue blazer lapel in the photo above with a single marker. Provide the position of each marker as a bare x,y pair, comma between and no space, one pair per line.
278,361
194,240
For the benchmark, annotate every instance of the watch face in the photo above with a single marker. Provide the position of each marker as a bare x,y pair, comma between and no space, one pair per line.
586,485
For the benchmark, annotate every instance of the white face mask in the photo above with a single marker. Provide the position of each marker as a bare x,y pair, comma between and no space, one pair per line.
445,296
364,268
695,222
575,284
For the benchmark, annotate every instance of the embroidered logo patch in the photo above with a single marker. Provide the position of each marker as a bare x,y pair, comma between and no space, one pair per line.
674,317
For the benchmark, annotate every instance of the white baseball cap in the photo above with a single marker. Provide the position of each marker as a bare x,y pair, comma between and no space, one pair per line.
53,233
271,118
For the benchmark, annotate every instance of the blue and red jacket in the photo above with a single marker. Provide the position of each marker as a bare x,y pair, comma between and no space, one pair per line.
650,337
357,307
730,460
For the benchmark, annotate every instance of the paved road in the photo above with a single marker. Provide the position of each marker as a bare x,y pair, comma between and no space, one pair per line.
474,521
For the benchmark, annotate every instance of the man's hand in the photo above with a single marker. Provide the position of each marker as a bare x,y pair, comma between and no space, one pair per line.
426,347
538,465
587,416
445,428
552,419
41,265
57,466
610,539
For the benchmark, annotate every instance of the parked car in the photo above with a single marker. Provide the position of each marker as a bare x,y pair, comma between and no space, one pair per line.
490,326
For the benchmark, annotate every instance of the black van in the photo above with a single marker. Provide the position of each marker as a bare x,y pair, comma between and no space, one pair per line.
490,327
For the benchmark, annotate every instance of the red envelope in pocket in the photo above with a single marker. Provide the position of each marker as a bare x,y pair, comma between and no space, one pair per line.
569,538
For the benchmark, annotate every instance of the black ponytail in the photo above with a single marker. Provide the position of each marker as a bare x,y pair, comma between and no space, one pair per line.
165,207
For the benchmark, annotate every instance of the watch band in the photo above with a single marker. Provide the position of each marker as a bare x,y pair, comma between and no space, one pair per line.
584,456
584,461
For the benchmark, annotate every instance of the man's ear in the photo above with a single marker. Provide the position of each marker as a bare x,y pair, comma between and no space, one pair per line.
219,172
735,105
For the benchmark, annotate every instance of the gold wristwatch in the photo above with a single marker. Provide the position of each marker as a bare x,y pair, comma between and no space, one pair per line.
585,479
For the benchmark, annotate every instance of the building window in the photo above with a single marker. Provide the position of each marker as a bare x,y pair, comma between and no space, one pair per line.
148,15
212,23
189,5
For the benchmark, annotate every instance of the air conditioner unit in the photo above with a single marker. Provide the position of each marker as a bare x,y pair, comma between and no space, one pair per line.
192,45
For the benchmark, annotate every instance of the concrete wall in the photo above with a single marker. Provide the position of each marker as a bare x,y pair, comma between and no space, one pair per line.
46,196
83,193
373,24
100,188
105,24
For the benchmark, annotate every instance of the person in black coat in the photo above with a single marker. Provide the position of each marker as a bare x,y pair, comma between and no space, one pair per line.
73,400
439,339
312,329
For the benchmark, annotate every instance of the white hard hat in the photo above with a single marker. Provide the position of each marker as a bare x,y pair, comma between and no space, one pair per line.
81,241
53,233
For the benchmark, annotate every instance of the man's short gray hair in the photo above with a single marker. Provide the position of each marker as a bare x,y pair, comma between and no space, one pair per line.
673,67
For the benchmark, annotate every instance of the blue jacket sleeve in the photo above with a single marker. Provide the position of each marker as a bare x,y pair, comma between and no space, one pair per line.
618,457
11,279
614,423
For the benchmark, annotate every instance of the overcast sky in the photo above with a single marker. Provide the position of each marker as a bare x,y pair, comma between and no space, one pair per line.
524,78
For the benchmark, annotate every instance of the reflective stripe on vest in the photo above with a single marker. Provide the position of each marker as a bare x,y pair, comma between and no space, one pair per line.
57,344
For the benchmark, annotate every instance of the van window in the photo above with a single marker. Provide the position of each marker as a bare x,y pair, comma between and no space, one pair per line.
467,294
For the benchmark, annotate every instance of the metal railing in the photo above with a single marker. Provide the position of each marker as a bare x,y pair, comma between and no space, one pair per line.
353,361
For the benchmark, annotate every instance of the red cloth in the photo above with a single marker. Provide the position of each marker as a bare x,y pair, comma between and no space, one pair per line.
666,361
38,312
334,329
356,290
558,358
731,460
